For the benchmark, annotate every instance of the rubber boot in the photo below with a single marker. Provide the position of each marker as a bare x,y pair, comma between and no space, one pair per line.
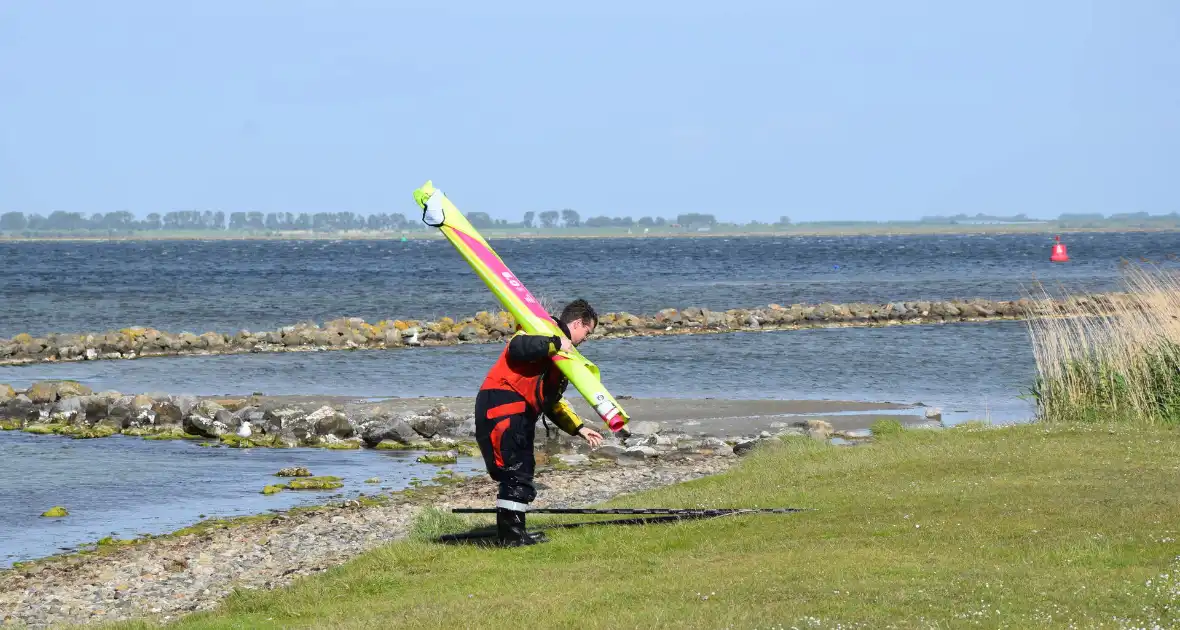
510,530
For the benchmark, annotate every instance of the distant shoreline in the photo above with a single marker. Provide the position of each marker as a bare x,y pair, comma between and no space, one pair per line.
583,233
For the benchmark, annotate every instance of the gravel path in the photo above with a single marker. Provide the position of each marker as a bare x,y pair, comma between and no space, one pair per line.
168,577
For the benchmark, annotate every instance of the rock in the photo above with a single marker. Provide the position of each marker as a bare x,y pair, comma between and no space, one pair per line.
607,451
6,393
448,457
294,471
933,413
166,414
55,512
819,429
275,420
67,410
328,421
745,447
95,408
388,427
643,452
19,408
573,459
659,440
471,332
121,413
208,419
52,391
315,483
643,428
714,446
437,421
185,403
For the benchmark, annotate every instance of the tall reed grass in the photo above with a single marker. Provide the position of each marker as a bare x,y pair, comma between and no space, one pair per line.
1115,358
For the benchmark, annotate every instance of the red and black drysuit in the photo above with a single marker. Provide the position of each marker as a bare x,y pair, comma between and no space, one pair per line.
523,384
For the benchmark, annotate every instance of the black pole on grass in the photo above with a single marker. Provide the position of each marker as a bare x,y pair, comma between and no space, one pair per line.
670,511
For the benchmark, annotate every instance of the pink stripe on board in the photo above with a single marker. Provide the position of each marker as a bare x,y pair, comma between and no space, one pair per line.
488,258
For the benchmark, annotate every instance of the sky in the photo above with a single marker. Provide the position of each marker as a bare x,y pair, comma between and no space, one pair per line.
747,110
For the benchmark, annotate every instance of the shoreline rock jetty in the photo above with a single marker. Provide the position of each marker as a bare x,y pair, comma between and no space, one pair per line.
445,426
487,327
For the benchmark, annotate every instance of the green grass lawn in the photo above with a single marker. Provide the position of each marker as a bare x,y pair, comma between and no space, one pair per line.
1025,527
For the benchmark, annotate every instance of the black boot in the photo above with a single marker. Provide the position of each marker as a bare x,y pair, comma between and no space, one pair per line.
510,530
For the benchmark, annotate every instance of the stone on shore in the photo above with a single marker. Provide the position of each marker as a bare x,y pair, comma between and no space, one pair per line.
52,391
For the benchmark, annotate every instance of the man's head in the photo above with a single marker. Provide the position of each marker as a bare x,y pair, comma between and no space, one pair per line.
580,318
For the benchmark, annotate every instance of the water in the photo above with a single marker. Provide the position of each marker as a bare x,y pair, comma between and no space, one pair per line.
972,368
261,285
123,486
127,486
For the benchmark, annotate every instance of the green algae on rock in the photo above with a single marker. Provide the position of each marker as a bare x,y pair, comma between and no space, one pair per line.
392,445
315,483
438,458
82,433
43,429
55,512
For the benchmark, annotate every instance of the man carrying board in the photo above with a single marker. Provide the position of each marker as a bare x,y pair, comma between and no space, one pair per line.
522,385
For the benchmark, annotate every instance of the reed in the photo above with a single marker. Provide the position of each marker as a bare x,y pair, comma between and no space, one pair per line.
1110,360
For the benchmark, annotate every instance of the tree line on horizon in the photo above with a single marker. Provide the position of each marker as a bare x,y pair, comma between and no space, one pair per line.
123,221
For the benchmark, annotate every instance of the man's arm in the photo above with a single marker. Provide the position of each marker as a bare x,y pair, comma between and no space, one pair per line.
524,347
564,416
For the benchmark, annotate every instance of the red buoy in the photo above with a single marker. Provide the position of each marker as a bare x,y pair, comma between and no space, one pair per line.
1059,254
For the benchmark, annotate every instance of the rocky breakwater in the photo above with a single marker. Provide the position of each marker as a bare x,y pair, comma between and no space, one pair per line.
485,327
71,409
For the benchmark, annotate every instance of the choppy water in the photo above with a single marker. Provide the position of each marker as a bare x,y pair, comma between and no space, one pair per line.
229,285
126,486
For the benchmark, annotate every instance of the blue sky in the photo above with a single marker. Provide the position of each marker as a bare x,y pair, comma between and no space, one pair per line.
816,110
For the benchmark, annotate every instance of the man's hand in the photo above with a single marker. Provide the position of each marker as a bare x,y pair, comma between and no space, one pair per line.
591,436
565,343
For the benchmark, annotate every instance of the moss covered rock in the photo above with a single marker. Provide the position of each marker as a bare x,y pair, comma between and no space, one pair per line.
294,471
82,433
315,483
55,512
438,458
6,393
52,391
44,429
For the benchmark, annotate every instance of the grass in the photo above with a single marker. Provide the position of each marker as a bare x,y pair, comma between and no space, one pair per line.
1039,526
1117,358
